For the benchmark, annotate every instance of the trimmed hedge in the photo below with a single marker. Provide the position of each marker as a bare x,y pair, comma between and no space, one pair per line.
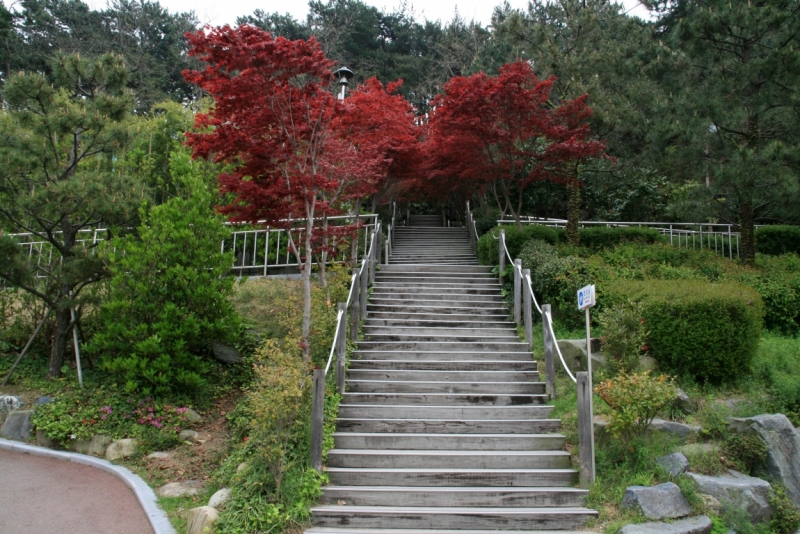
776,240
707,331
515,240
600,237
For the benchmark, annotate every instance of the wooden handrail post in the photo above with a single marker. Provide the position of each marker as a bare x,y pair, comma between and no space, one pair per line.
527,312
502,255
585,429
517,291
341,347
317,421
355,306
549,349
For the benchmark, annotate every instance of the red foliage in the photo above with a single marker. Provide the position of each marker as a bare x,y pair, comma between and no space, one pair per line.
500,133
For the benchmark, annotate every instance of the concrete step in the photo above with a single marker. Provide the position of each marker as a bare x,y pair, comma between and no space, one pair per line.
421,290
441,355
399,375
435,426
464,413
443,365
375,476
435,277
448,442
444,338
446,287
473,322
500,317
446,346
449,399
347,530
427,296
419,386
425,268
453,496
363,458
504,331
399,310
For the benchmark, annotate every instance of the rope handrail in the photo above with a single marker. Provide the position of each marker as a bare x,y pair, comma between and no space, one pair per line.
558,349
335,339
530,288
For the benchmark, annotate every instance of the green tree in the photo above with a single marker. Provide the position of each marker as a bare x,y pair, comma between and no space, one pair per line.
57,179
168,298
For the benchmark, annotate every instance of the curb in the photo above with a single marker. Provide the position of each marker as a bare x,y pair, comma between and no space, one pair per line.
144,493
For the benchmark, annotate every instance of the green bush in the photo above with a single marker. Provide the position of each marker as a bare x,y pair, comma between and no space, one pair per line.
777,366
785,517
168,296
778,239
706,331
624,337
515,239
600,237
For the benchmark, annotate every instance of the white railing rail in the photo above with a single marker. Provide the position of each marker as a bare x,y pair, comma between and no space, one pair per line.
356,305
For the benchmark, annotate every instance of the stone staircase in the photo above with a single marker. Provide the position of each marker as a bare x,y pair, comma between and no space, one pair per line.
444,426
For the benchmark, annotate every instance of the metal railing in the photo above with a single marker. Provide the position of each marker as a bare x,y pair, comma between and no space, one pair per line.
356,305
524,303
703,236
255,250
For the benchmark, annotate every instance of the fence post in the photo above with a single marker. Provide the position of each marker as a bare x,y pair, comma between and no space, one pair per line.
527,311
372,259
549,357
341,347
502,254
317,414
585,429
517,291
355,308
378,246
364,282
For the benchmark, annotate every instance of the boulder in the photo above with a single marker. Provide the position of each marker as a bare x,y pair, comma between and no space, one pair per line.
737,491
675,464
783,448
225,353
201,520
9,403
17,425
684,402
43,441
188,435
574,352
179,489
158,455
44,399
192,416
664,501
678,430
97,446
648,363
121,448
219,498
694,525
241,467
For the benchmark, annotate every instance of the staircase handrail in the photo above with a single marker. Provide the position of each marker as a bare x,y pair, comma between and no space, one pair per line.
472,229
356,303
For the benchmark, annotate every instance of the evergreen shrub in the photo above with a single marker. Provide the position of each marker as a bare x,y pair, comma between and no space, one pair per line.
515,240
778,239
706,331
600,237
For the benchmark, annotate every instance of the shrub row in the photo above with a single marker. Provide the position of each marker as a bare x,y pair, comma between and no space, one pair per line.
709,331
778,239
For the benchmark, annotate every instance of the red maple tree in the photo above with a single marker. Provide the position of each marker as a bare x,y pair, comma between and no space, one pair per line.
501,133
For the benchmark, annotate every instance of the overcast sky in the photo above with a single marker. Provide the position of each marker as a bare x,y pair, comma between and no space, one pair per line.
218,12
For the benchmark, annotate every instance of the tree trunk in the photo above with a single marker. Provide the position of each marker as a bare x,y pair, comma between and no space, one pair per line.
747,229
324,254
573,212
307,290
59,346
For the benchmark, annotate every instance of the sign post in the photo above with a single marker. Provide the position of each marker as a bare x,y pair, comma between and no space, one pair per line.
587,299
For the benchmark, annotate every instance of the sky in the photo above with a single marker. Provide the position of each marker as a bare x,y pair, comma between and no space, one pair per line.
216,12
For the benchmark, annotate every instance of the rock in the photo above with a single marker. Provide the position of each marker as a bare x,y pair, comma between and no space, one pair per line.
225,353
201,520
690,449
241,467
783,448
43,441
192,416
17,425
711,504
219,498
675,464
601,433
684,402
97,446
158,455
121,448
179,489
679,430
648,363
574,352
664,501
694,525
188,435
44,399
738,491
9,403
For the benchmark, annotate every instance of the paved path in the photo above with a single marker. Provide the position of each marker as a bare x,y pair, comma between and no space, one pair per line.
43,496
